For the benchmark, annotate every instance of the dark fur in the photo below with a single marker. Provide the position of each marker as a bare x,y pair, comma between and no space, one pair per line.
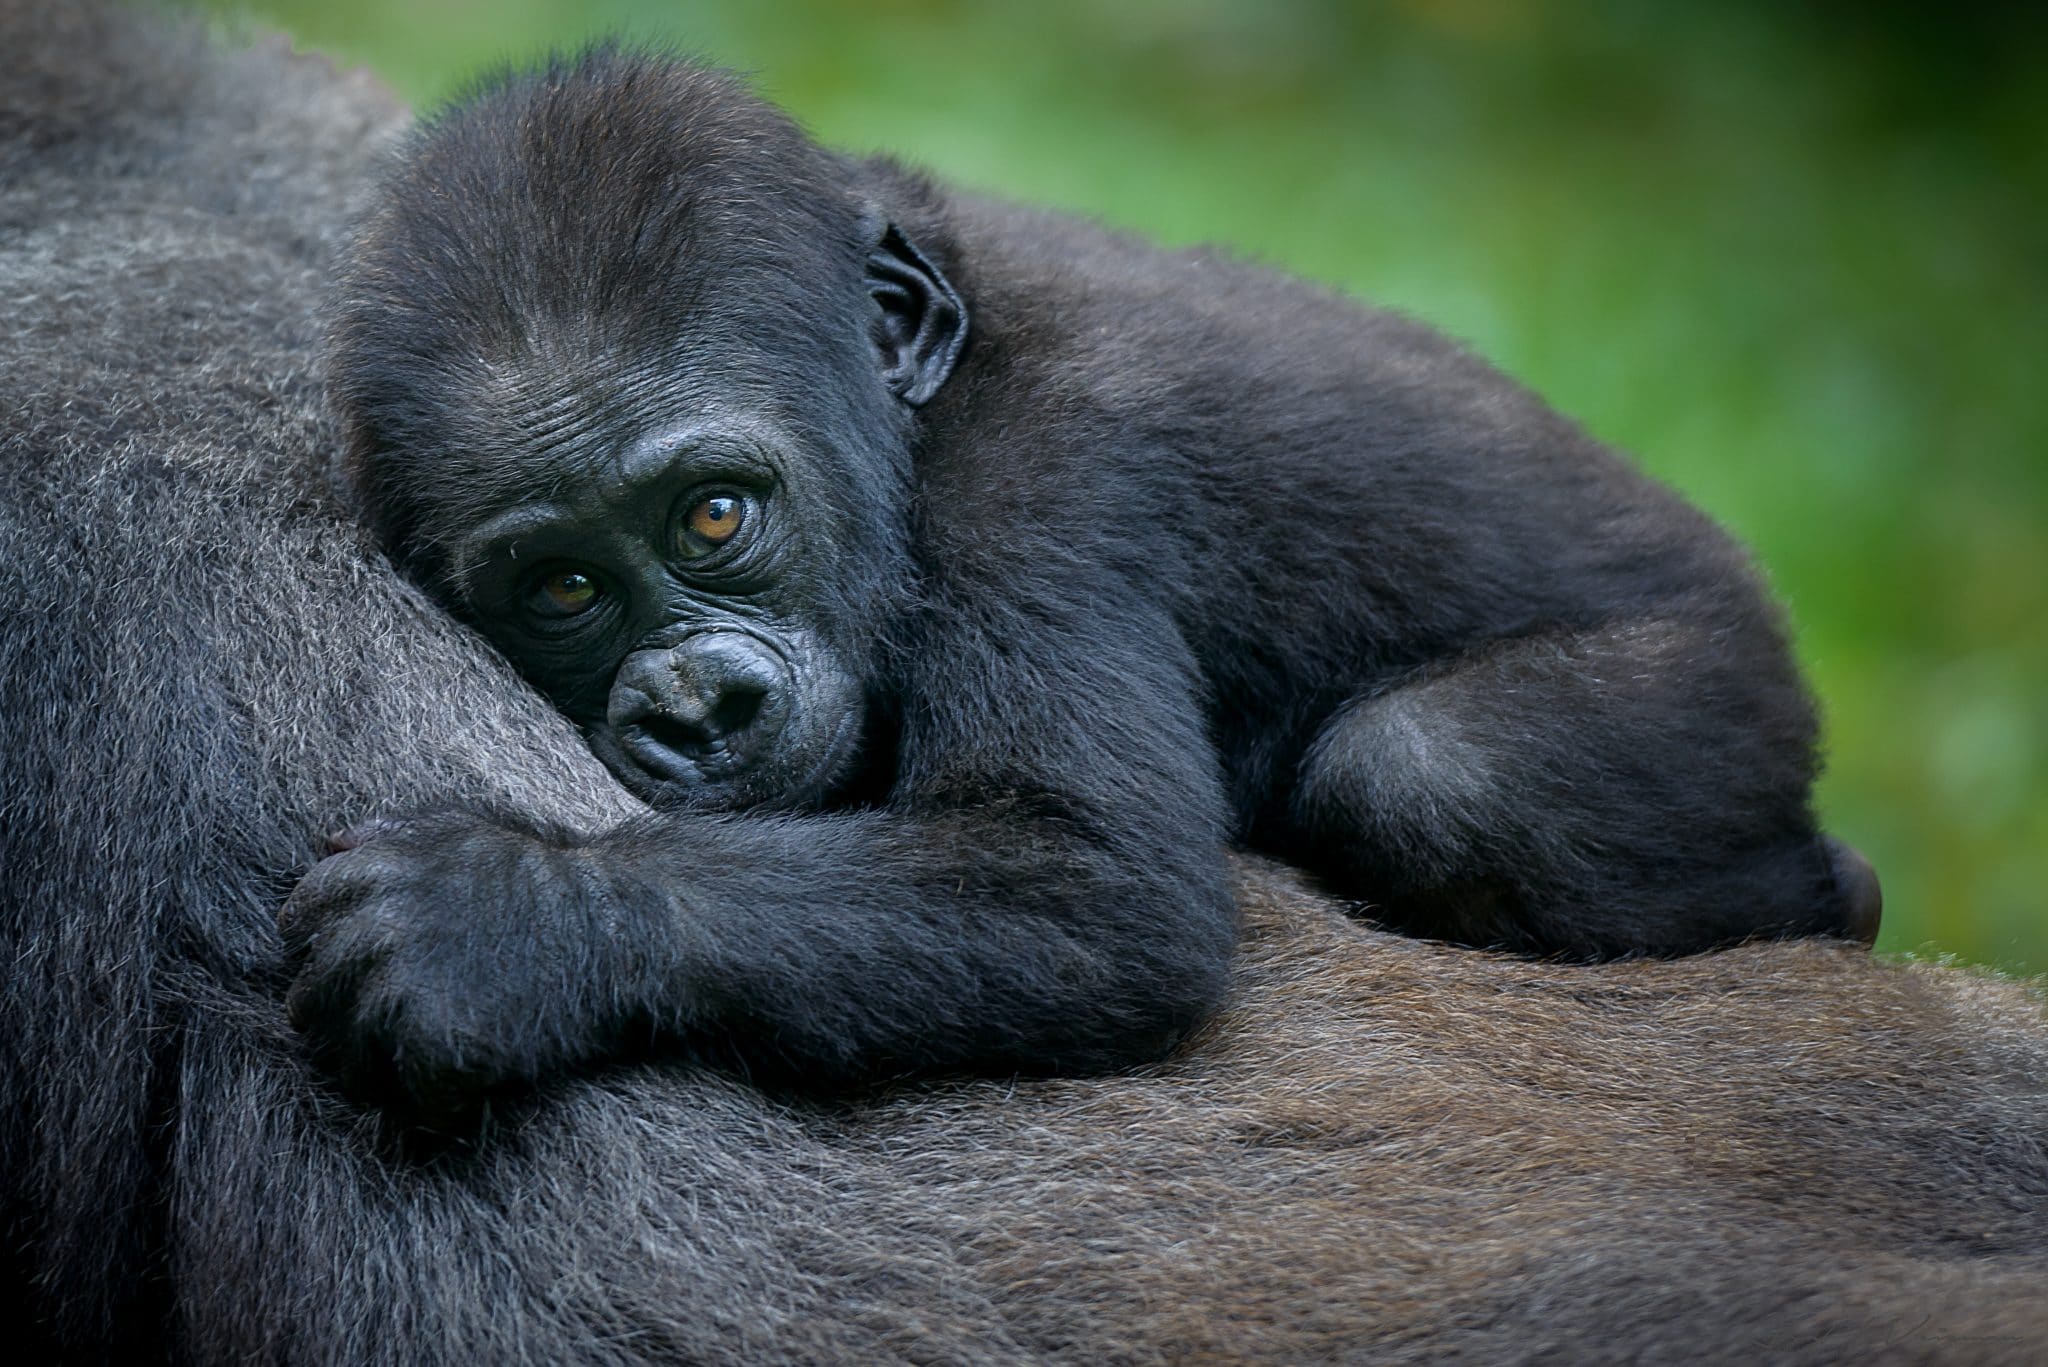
1183,551
1381,1151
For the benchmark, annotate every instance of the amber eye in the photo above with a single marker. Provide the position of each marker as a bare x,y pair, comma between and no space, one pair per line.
710,523
565,593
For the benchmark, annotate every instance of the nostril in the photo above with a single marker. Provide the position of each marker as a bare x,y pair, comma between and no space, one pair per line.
737,707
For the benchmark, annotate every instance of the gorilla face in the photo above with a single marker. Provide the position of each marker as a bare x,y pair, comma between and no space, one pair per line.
665,598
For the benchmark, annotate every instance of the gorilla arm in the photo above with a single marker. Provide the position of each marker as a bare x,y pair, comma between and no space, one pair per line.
1012,907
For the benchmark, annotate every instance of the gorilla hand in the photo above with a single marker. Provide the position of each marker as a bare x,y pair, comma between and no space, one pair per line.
445,959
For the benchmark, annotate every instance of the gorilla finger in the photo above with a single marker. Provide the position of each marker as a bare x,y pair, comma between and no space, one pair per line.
329,889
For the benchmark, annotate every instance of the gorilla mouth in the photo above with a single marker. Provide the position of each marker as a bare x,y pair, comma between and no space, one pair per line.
672,752
666,762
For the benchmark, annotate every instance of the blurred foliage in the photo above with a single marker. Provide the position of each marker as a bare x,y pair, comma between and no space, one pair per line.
1793,256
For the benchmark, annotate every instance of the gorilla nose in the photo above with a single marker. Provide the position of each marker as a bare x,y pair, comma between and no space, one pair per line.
701,711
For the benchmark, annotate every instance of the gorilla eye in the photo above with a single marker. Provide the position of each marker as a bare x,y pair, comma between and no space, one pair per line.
565,593
710,523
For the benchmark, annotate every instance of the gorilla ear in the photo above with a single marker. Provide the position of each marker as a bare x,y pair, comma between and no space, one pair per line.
920,323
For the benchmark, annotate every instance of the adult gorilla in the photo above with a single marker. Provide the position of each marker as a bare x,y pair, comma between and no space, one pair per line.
1382,1149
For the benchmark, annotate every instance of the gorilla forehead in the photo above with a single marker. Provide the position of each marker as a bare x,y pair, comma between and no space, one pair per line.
610,415
599,482
493,433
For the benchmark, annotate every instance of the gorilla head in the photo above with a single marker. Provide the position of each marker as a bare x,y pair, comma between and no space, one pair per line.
588,441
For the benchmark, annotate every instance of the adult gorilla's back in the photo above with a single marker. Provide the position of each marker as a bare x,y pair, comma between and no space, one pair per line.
1383,1148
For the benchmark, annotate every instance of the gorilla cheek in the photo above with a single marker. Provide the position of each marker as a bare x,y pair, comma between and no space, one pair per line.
825,735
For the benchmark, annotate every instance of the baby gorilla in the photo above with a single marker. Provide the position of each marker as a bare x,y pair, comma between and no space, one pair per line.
951,656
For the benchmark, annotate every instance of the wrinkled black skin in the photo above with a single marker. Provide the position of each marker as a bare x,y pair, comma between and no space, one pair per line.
1112,555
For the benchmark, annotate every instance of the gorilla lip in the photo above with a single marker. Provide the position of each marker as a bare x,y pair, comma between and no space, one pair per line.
713,764
691,763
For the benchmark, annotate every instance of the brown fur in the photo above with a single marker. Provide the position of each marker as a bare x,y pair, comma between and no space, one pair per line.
1789,1150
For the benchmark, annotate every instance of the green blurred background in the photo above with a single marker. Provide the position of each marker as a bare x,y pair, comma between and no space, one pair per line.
1793,256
